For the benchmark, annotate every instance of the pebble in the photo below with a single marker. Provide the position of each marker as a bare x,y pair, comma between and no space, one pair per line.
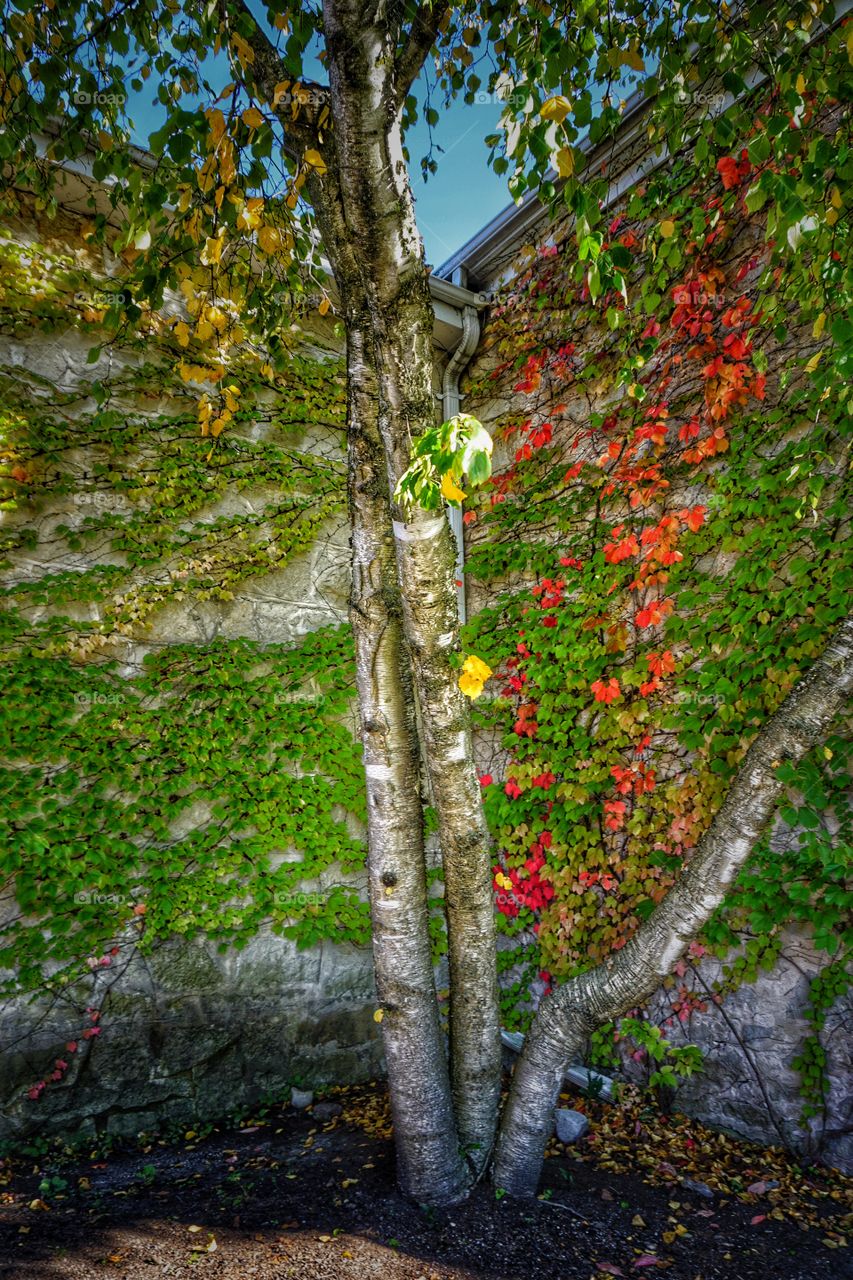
571,1125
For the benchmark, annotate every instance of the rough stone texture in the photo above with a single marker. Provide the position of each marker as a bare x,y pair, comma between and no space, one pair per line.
748,1084
193,1034
188,1032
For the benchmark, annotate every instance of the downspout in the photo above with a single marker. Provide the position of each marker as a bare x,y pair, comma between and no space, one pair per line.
450,401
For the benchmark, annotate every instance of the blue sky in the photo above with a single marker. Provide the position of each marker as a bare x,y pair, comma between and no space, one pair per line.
464,194
452,205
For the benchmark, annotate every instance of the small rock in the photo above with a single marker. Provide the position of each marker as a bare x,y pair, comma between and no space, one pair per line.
571,1125
699,1188
301,1098
325,1110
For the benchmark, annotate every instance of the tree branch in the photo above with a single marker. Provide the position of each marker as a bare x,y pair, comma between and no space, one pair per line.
268,70
629,977
422,36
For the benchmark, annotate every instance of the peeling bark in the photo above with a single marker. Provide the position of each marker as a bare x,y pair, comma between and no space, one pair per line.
566,1018
379,212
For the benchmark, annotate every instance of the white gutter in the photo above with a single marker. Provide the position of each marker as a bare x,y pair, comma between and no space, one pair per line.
450,403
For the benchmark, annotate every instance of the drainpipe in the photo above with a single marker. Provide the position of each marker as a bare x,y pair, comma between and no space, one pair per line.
450,401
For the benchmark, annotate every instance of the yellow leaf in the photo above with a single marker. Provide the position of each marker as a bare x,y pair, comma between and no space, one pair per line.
212,252
814,362
450,489
633,60
182,333
470,687
475,673
324,306
817,327
564,162
835,198
244,51
104,141
216,123
271,240
667,228
252,117
279,91
831,217
556,109
217,318
801,83
378,1015
281,22
315,160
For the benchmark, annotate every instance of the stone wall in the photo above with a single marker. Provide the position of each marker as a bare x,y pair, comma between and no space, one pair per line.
187,1031
190,1034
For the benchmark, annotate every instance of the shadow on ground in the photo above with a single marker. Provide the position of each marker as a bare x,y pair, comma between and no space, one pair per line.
288,1195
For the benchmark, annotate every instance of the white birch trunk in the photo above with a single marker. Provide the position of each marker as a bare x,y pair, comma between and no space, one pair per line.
379,214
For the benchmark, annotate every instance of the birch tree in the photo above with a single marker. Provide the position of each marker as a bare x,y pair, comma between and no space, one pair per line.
240,174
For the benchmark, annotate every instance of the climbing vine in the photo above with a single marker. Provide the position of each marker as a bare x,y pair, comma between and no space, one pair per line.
156,787
666,547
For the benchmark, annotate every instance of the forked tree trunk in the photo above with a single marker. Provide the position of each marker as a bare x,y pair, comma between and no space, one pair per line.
378,210
355,226
565,1019
429,1166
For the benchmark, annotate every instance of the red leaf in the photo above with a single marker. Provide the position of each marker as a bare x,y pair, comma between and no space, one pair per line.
759,1217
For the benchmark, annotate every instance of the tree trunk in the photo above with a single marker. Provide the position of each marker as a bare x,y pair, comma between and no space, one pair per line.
379,214
630,976
429,1166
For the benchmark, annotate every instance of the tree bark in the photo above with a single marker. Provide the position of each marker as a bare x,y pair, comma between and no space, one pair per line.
565,1019
429,1167
379,212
